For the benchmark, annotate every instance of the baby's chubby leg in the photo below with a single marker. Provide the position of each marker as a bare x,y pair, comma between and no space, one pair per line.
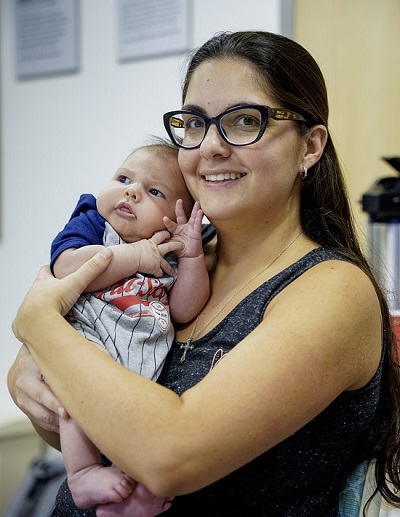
90,482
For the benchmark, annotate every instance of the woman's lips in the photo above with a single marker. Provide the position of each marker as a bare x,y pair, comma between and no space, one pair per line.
222,176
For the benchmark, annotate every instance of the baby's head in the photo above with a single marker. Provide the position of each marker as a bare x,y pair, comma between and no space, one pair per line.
143,190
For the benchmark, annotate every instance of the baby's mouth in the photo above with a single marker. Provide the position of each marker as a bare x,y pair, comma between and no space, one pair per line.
124,209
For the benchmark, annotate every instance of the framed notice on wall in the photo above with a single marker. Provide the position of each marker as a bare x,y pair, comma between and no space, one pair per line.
151,28
45,37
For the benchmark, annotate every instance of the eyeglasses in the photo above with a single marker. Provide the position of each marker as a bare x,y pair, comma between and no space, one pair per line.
240,125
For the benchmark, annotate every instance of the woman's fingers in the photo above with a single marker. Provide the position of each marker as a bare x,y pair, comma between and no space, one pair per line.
48,293
89,271
30,394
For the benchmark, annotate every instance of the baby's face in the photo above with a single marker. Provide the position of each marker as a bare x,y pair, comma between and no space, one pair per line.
142,191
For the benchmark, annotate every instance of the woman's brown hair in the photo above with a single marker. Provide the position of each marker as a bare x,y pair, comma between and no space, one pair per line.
291,75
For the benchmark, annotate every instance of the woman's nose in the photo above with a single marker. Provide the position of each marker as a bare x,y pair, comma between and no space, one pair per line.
213,144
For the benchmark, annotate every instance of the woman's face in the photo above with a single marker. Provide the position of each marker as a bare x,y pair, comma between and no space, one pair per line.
259,181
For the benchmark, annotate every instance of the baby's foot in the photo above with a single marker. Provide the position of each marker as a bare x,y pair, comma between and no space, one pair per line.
149,505
96,485
141,503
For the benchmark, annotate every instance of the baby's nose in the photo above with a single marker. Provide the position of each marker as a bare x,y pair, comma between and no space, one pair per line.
132,190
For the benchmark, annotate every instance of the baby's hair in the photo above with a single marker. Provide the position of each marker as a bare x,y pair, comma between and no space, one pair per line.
157,143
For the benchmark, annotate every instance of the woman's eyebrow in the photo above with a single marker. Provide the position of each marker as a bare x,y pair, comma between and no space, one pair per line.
193,107
197,109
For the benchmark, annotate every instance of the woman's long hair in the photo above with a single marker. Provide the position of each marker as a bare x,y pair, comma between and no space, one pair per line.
290,74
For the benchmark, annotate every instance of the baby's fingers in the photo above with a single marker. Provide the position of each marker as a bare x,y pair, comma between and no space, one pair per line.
161,236
180,213
167,268
196,217
167,247
170,225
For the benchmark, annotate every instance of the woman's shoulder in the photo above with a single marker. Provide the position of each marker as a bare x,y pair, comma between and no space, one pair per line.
324,275
333,305
323,262
330,267
319,267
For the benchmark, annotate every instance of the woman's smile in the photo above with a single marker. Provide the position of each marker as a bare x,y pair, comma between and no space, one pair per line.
222,176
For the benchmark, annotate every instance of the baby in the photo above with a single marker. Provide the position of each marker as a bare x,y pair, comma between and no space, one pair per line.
127,311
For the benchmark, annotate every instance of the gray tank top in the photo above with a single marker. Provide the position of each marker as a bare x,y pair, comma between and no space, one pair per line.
302,475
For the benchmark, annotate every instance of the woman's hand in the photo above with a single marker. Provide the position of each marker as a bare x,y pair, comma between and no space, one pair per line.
49,295
31,394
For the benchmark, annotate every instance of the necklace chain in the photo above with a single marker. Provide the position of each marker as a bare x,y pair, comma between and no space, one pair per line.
189,345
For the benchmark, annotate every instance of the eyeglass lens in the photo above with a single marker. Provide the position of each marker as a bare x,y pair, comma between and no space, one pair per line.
240,127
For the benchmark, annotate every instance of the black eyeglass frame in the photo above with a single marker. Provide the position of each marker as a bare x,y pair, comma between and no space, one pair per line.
267,113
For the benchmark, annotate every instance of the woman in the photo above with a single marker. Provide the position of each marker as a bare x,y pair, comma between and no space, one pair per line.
287,378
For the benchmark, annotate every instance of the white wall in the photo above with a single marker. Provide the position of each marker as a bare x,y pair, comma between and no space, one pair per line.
64,135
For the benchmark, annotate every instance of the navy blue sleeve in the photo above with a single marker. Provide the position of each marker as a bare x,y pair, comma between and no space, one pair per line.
85,227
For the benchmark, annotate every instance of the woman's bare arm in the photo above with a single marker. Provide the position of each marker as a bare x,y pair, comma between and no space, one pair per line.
317,340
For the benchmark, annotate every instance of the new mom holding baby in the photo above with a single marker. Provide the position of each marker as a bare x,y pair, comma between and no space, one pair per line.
287,378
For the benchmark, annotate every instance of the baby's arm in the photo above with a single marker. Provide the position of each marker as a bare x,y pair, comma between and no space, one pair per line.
191,290
143,256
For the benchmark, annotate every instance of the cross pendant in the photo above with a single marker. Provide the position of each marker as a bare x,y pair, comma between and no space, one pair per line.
186,347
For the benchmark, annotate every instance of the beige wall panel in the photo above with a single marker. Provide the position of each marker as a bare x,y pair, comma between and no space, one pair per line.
19,446
357,45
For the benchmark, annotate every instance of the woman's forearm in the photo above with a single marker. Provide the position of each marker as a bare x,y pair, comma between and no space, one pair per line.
121,425
171,444
175,445
100,394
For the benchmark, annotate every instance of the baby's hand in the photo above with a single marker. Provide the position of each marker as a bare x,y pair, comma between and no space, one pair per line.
151,254
186,232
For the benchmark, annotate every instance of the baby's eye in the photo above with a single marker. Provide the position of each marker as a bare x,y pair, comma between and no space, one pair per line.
124,179
155,192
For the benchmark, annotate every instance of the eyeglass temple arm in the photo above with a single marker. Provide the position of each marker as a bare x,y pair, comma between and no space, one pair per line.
281,114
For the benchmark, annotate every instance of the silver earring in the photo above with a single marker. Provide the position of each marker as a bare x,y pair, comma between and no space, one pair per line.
303,173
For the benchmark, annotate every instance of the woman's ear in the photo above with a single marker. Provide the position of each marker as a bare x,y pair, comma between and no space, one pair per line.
316,141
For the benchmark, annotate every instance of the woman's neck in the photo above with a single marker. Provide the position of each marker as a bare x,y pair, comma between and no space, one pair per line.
252,247
240,265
